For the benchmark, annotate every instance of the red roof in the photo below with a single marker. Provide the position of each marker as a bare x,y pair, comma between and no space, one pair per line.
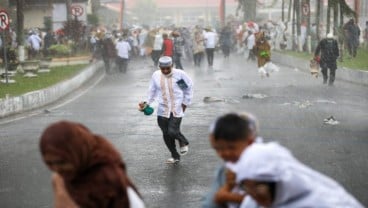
174,3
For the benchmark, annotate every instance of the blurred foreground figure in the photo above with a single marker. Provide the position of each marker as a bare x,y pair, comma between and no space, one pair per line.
329,50
88,170
273,177
229,136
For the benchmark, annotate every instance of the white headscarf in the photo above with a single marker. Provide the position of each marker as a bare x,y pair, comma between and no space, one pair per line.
296,184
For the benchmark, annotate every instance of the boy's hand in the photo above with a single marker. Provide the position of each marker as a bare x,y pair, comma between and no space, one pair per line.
184,107
141,106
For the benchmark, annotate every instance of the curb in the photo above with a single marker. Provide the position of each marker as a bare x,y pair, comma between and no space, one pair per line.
36,99
349,75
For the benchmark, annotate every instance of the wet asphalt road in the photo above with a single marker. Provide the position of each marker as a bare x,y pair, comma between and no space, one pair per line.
110,109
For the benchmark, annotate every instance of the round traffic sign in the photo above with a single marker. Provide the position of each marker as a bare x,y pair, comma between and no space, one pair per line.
77,10
4,20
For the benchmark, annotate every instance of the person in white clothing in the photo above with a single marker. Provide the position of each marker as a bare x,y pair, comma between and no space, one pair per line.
157,48
210,40
122,48
251,41
273,177
34,42
173,89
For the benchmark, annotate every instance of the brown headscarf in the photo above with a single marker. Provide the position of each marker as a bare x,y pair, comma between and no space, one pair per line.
100,178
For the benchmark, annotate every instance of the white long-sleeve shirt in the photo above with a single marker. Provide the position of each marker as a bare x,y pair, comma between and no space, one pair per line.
123,49
34,41
169,95
210,39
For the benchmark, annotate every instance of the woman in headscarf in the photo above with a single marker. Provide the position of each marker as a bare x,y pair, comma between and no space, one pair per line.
275,178
87,168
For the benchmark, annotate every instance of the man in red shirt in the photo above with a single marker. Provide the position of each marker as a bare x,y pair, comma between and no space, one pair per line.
167,46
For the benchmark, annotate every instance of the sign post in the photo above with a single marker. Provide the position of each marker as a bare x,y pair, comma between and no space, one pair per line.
4,25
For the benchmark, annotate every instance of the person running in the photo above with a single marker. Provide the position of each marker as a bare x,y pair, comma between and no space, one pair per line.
167,46
157,47
210,40
178,49
329,52
108,51
123,48
87,170
173,89
198,48
262,49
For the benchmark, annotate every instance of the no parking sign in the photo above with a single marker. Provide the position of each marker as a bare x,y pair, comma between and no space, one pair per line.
4,20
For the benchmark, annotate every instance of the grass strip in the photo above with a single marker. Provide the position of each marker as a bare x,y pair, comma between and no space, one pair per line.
360,62
44,80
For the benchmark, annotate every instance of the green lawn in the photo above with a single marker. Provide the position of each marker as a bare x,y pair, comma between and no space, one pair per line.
44,80
360,62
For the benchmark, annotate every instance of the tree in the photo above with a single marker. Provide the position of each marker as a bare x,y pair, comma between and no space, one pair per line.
20,22
345,10
248,7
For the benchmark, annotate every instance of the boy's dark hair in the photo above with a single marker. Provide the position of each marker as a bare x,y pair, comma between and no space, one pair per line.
234,127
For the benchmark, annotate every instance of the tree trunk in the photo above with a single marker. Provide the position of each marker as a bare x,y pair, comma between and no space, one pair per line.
289,11
20,21
335,18
20,28
297,11
318,18
282,11
341,15
293,25
249,9
328,22
68,5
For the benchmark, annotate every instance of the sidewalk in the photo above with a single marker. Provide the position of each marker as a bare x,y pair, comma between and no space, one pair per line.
344,74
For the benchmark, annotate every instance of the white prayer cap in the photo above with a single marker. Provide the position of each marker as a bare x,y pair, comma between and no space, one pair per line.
165,61
330,35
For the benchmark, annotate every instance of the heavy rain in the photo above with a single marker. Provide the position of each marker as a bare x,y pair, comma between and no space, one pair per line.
183,103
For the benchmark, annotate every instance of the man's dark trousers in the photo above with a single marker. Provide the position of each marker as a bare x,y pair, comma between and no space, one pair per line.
210,53
170,128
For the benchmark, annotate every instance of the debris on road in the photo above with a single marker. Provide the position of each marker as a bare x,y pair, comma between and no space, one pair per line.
213,99
251,96
325,101
331,121
304,104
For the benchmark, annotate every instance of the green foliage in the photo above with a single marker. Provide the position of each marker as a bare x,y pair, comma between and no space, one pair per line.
47,22
60,50
44,80
92,19
74,29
